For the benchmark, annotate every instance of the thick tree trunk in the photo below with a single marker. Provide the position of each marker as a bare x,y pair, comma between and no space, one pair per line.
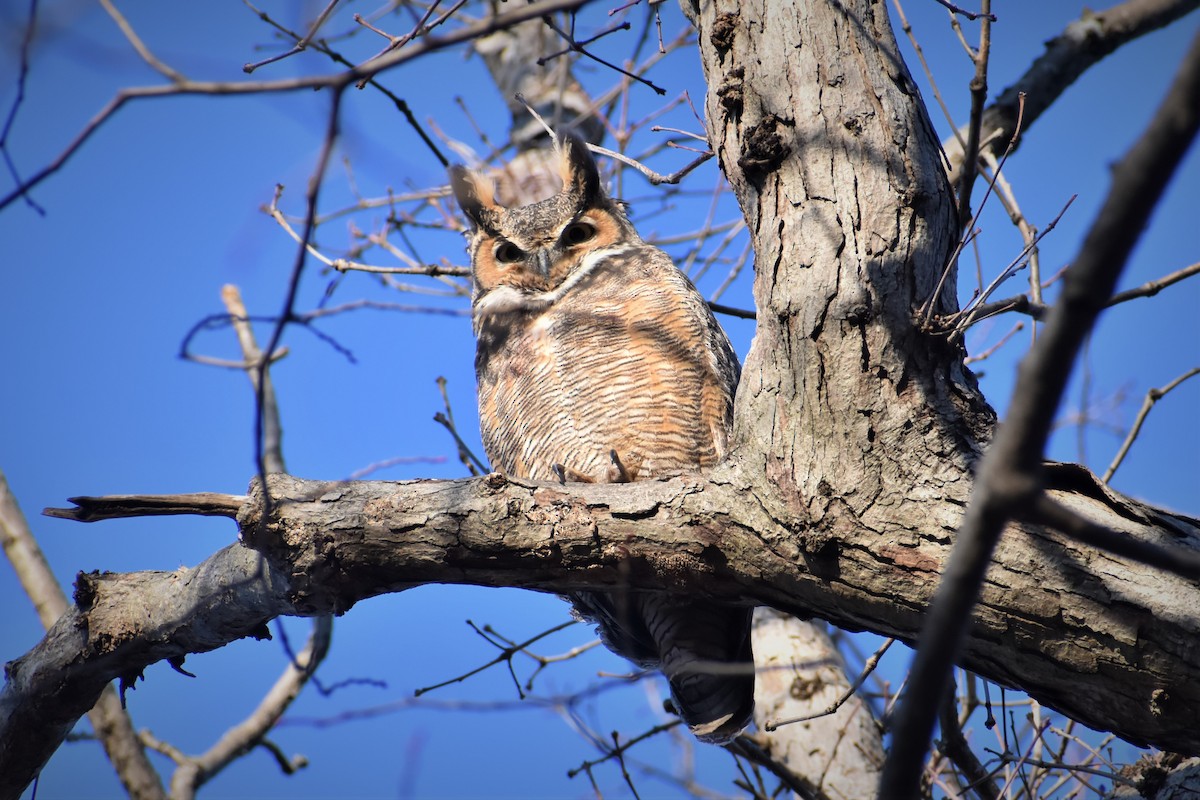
844,760
856,433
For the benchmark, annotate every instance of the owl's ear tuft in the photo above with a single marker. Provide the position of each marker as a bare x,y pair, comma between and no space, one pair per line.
581,179
475,195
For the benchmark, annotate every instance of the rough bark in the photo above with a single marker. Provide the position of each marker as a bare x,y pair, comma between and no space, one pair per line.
856,434
110,722
1162,776
1111,643
801,675
844,763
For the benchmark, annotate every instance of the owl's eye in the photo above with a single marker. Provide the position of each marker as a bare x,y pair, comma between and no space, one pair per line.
507,252
578,233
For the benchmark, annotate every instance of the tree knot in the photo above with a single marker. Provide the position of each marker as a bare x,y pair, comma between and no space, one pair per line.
763,149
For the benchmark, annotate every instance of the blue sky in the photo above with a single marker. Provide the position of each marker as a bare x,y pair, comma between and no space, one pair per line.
162,207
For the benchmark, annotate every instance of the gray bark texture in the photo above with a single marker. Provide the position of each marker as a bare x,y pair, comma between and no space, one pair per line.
856,432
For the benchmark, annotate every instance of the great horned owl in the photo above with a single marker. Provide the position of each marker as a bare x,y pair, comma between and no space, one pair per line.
598,360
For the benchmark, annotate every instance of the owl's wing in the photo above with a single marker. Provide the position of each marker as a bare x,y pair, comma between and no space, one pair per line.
702,648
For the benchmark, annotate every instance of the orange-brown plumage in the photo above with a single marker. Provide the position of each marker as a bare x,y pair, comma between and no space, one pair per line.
592,344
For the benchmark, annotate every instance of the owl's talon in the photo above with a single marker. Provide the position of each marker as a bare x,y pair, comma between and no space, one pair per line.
617,472
624,471
564,474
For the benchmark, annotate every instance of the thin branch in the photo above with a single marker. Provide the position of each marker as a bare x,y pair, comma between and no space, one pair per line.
505,656
22,78
469,460
194,771
1023,305
969,314
1009,475
868,668
1152,397
121,506
954,744
1151,288
347,265
572,44
311,194
1082,44
978,98
968,14
140,46
261,381
800,785
337,82
992,350
301,44
654,177
972,232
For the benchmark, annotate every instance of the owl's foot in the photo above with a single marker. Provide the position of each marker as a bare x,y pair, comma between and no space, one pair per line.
565,474
619,472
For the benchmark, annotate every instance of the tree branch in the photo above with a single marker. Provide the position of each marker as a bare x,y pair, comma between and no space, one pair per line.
1044,622
1009,480
1081,45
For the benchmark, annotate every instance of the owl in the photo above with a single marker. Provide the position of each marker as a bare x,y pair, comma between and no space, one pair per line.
597,360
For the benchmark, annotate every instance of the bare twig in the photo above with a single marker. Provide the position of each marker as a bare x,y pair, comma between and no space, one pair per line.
301,44
579,47
967,316
261,381
1152,397
971,232
1009,475
312,192
1082,44
506,655
120,506
654,177
971,15
18,99
469,460
1151,288
954,744
991,350
868,668
336,82
140,46
193,772
978,98
1022,304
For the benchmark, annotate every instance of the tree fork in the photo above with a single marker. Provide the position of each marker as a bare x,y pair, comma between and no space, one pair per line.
1108,642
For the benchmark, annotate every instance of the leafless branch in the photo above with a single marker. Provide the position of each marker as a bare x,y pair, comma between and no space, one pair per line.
868,668
336,82
1152,397
1008,478
1081,45
109,719
301,44
18,99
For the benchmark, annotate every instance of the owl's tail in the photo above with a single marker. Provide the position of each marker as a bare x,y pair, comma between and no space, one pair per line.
702,648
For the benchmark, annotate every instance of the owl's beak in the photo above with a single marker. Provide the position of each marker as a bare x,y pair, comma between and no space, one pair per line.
544,260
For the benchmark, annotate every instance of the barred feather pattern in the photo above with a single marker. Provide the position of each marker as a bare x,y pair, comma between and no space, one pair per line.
600,348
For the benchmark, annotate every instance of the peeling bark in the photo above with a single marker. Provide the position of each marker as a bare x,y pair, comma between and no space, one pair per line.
1113,644
856,434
